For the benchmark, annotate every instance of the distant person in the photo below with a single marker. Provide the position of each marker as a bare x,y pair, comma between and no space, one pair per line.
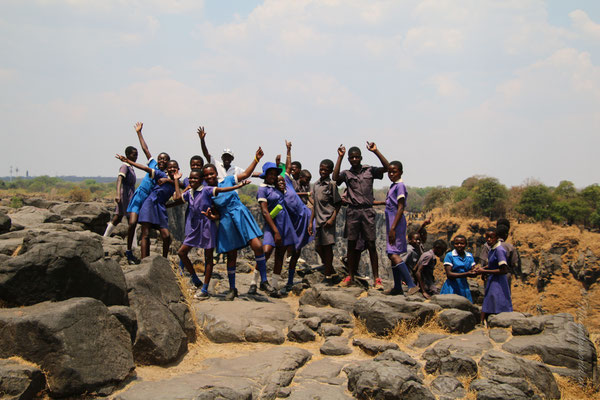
497,296
225,166
125,188
360,215
413,252
426,267
326,206
512,254
458,264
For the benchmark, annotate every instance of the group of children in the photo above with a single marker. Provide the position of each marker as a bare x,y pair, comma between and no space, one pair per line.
217,219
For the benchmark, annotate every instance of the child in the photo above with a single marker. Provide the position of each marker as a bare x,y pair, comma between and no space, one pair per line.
125,188
279,233
458,265
395,223
413,251
300,179
142,192
360,216
224,167
326,206
497,292
426,266
200,231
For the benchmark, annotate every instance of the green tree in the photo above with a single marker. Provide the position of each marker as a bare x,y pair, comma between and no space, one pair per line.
437,197
565,190
489,197
536,202
591,194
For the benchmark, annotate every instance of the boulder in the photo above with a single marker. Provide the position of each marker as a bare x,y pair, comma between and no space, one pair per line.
505,319
499,335
243,321
20,380
325,370
385,380
316,391
402,358
527,326
374,346
5,223
261,374
335,346
457,302
164,322
80,346
490,390
313,322
444,362
586,268
328,329
381,314
61,265
448,387
336,297
426,339
93,216
471,344
530,377
300,333
457,321
32,217
327,315
126,317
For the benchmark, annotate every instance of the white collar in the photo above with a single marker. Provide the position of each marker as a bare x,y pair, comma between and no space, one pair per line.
267,185
126,164
498,243
398,181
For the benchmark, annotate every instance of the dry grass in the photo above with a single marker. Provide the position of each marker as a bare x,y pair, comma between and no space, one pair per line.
188,299
403,333
570,389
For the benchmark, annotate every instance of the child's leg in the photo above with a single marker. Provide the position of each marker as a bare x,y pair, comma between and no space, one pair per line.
327,257
261,261
133,219
278,265
352,259
400,272
112,225
145,246
183,255
166,239
374,258
295,255
208,268
231,262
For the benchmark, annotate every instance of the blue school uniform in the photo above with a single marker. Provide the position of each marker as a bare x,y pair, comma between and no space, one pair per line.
237,226
273,197
200,231
299,213
459,265
497,291
153,210
395,194
142,192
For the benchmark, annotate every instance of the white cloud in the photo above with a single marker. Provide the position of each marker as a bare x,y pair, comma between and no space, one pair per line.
446,85
583,23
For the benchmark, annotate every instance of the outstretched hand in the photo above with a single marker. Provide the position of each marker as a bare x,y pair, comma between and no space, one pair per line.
209,214
341,150
138,127
288,145
201,132
371,146
278,159
122,158
177,175
245,182
259,154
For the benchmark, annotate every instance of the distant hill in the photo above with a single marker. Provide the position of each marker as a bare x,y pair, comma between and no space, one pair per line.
70,178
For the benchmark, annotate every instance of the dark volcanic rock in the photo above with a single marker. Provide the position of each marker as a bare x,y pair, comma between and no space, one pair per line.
77,342
94,216
19,380
527,326
374,346
32,217
328,329
444,362
457,302
382,313
401,357
301,333
448,387
164,323
5,223
457,321
425,339
327,315
127,317
490,390
61,265
336,297
335,346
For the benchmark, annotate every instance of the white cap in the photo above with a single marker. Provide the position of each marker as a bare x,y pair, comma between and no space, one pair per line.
228,151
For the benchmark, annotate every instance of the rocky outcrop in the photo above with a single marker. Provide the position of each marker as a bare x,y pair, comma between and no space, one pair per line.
93,216
20,380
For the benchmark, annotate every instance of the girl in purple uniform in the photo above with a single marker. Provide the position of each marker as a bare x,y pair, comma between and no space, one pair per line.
395,203
279,233
125,188
497,291
200,227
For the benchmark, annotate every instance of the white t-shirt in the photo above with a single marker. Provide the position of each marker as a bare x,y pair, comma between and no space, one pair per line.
222,173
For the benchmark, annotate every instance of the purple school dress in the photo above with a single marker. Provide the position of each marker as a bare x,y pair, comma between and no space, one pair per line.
299,214
153,210
128,188
273,197
497,292
397,191
200,231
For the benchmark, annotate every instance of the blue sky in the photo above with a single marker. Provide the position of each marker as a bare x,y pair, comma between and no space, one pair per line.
509,89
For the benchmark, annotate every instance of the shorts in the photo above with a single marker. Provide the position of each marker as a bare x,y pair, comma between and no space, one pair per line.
325,235
360,222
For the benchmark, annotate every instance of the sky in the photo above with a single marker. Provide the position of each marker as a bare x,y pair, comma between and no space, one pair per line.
503,88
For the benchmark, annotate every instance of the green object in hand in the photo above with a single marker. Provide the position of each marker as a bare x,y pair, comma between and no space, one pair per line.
282,166
275,211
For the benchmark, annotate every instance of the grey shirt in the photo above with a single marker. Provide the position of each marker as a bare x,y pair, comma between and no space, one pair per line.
428,260
512,256
359,183
412,257
300,188
325,197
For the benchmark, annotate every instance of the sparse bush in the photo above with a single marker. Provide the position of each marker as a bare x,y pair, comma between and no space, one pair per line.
80,194
16,202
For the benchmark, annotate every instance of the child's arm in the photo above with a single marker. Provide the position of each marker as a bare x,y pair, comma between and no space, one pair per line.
419,276
397,218
312,218
177,197
378,203
138,129
202,135
454,275
246,174
372,147
331,220
243,183
210,214
336,170
267,216
288,158
134,164
119,184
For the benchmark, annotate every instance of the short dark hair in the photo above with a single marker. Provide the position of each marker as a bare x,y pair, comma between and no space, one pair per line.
491,229
328,163
354,149
502,231
503,221
197,158
166,154
297,164
196,170
173,161
441,244
397,164
305,173
129,150
459,237
209,165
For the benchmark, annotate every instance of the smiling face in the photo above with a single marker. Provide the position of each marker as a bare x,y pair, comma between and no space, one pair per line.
305,180
162,160
271,176
414,239
394,173
295,171
227,159
459,245
210,176
324,170
281,183
195,179
172,168
354,157
196,164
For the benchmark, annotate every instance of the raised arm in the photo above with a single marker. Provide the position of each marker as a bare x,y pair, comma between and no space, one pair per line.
288,158
336,170
177,197
138,129
202,136
372,147
248,172
241,184
134,164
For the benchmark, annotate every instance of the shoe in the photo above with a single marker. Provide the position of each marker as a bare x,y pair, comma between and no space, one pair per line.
267,288
413,290
344,261
394,292
252,289
328,281
346,282
285,290
232,294
378,284
131,259
200,295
